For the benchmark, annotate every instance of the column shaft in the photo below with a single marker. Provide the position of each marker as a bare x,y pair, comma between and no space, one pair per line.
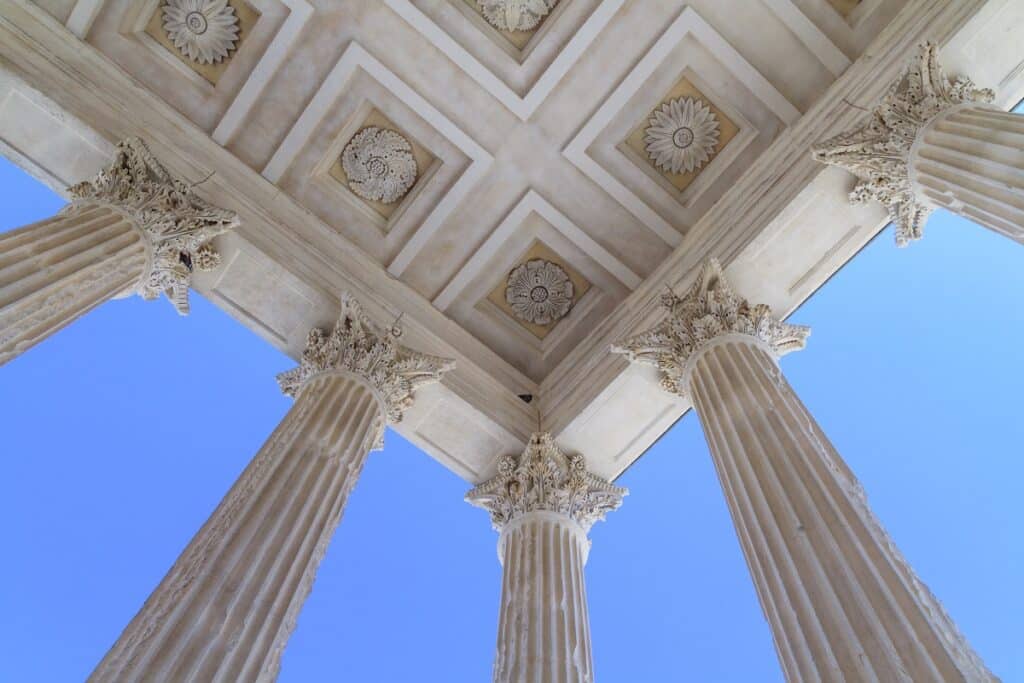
970,160
56,270
842,602
543,627
227,607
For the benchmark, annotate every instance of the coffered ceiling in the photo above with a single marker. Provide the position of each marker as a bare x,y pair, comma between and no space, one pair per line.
518,197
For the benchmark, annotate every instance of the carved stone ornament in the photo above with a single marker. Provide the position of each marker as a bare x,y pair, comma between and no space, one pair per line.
710,309
681,135
539,292
515,15
176,223
878,151
358,346
379,165
543,478
205,31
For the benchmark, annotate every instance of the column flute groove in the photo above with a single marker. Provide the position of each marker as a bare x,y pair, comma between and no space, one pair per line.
841,601
131,229
225,610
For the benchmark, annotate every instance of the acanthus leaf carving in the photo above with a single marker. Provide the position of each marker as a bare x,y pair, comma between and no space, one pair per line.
543,478
358,346
878,152
176,223
710,309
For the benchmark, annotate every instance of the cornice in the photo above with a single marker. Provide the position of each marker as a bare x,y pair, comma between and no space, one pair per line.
761,194
76,76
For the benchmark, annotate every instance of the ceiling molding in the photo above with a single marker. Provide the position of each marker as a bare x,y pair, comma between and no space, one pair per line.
521,106
356,57
813,38
533,202
299,12
688,23
84,13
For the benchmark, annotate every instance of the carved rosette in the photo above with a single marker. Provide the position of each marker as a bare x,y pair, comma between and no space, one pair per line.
515,15
539,292
358,346
878,152
379,165
205,31
543,478
710,309
177,224
681,135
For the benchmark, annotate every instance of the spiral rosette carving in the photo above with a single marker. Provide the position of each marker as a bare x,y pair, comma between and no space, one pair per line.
379,165
710,309
543,478
682,135
516,15
205,31
878,152
358,346
539,292
177,224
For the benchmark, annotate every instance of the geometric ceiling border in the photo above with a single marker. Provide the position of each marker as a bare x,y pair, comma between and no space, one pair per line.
689,22
813,38
523,107
299,13
533,202
84,12
356,57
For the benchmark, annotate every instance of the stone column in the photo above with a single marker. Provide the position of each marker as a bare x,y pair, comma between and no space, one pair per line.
225,610
543,503
842,603
934,143
131,229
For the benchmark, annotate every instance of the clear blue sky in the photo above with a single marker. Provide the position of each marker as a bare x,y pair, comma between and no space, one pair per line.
122,432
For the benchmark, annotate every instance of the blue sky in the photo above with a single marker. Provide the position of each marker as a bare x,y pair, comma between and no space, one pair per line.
122,432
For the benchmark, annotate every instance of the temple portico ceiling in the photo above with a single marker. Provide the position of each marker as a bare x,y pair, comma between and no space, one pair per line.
516,180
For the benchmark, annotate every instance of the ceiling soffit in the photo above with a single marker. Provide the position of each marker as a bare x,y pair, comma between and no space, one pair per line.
306,225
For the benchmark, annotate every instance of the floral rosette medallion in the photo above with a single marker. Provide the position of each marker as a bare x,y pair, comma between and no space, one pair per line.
379,165
205,31
681,135
539,292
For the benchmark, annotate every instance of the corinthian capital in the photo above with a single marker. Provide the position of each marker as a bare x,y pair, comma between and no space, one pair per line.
710,309
176,223
543,478
878,152
358,346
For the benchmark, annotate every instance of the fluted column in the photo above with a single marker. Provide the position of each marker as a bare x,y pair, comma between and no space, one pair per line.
933,143
227,607
842,602
543,503
970,160
132,229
